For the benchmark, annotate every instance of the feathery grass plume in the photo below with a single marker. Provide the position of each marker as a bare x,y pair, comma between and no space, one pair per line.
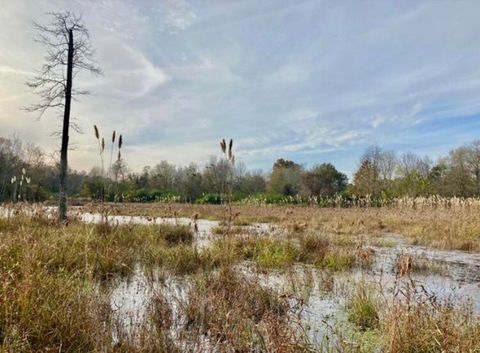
120,142
113,136
97,134
230,154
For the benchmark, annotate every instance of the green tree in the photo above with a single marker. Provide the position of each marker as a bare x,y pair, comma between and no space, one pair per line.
459,177
285,178
323,180
365,180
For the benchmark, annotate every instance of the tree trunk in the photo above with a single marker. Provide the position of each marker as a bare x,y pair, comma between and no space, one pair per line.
62,199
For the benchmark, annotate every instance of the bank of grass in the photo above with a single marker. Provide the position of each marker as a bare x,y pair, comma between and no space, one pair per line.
273,252
444,226
419,324
362,306
42,312
96,253
409,322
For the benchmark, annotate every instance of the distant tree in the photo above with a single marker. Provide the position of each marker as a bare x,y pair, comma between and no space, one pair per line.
459,175
284,163
163,176
250,183
190,182
387,164
11,161
285,177
473,161
217,174
323,180
410,163
437,178
414,176
66,40
365,179
119,170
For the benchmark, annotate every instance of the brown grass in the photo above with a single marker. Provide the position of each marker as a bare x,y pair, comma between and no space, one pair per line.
440,227
51,297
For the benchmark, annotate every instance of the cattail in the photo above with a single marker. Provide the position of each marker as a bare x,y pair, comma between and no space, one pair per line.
230,146
97,135
113,137
103,144
120,141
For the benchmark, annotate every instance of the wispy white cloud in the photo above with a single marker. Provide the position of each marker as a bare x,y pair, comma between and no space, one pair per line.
177,15
131,76
5,69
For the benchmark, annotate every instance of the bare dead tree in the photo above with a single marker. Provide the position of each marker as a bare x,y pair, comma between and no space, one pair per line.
69,52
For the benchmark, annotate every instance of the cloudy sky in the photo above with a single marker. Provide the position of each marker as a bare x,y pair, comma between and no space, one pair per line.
313,81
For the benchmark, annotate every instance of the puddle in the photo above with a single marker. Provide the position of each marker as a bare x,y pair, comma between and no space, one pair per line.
314,306
461,266
131,299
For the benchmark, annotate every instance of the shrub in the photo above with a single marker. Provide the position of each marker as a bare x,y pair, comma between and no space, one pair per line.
362,307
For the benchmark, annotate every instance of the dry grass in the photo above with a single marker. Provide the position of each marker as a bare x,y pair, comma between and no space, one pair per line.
51,298
51,276
237,314
363,306
415,323
440,227
273,252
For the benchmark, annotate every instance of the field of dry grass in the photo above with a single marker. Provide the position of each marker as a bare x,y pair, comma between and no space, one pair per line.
57,284
440,227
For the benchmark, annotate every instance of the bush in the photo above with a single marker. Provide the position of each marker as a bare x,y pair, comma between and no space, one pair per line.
174,234
151,195
211,199
362,307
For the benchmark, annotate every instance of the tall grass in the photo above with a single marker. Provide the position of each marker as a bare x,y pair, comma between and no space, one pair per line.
55,288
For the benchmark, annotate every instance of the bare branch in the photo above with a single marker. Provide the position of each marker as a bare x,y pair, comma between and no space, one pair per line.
50,83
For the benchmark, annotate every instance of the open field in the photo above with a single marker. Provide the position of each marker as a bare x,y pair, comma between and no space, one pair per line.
311,280
455,227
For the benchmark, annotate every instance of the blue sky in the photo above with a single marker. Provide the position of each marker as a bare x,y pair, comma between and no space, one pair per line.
314,81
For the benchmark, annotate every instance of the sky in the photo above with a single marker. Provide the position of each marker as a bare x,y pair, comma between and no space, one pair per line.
312,81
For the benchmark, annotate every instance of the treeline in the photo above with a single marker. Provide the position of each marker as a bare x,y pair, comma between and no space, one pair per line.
28,173
383,172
